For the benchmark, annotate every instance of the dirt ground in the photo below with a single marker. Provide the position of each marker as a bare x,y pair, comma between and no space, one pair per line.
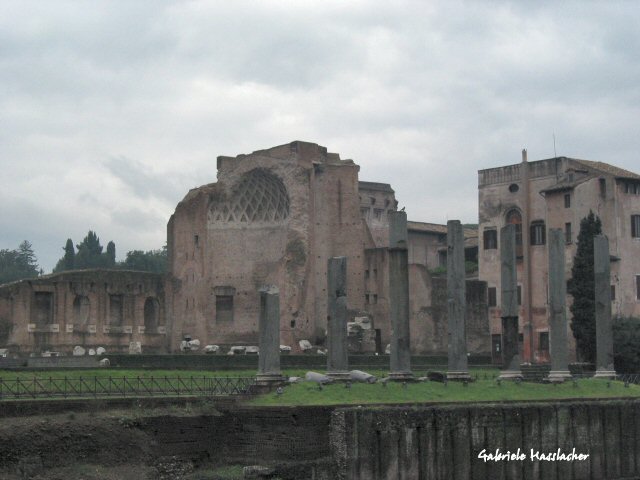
91,446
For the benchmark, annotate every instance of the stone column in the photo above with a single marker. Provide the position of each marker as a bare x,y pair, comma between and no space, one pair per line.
399,297
456,304
337,354
269,324
604,334
558,308
509,292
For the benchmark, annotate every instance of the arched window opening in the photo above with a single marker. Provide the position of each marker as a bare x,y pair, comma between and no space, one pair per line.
151,314
81,306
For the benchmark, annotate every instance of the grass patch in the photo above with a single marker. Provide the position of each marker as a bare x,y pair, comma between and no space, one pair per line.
433,392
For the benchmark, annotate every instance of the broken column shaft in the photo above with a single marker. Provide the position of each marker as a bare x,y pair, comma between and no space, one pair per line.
557,306
458,368
269,324
604,335
337,352
399,297
509,292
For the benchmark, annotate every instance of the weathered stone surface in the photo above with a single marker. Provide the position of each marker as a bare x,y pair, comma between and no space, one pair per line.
360,376
305,345
78,351
252,350
557,305
604,334
399,297
101,351
509,290
269,323
212,349
135,348
92,352
285,349
257,471
317,377
337,354
105,362
456,302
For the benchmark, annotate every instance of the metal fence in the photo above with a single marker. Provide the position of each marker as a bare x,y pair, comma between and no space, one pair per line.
82,387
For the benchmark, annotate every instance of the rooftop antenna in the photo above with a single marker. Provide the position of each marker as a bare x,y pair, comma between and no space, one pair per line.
554,145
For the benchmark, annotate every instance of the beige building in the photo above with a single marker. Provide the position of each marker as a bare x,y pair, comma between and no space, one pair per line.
556,193
84,307
274,217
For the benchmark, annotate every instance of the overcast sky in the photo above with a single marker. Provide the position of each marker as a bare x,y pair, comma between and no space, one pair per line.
111,111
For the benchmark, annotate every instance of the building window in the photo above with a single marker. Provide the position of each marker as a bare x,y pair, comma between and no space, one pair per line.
632,187
613,292
442,258
513,188
492,300
366,274
196,240
224,303
151,314
567,233
116,310
224,308
519,295
538,233
42,310
375,298
637,287
567,200
603,187
490,239
377,212
635,226
543,341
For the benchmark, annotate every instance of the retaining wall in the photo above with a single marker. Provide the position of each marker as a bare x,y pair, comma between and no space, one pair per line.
444,442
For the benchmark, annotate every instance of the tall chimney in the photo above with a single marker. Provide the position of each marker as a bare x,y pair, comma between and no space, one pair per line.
524,155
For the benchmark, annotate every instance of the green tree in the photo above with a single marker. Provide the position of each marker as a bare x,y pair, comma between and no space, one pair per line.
18,264
111,255
150,261
581,287
89,255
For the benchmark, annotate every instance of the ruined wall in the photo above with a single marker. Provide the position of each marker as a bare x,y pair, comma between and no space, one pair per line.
444,442
274,217
429,327
108,308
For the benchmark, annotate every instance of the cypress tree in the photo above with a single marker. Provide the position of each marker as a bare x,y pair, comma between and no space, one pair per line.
581,287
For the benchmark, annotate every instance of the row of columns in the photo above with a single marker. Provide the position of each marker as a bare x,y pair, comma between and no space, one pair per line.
557,307
400,355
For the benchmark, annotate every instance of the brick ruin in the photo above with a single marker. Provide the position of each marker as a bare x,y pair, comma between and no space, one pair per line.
273,217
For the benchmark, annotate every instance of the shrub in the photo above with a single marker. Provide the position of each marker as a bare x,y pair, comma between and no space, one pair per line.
626,345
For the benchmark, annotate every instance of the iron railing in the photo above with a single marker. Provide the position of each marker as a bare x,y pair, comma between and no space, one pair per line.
82,387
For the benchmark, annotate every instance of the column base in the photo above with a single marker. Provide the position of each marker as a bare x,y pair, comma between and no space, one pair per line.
459,376
511,375
608,374
558,376
270,379
401,377
339,376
